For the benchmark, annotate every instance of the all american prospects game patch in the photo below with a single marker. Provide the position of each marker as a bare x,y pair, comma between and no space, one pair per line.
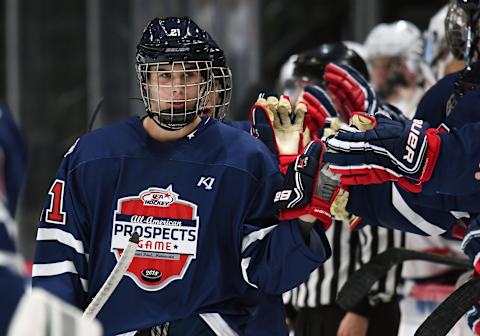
168,229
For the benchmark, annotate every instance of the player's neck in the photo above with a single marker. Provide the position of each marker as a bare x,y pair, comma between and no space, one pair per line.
162,135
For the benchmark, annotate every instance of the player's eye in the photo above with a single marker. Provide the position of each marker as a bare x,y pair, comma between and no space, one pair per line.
165,75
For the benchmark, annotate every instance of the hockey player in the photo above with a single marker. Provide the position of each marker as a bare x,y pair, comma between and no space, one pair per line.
218,101
13,160
206,262
315,299
437,52
22,312
12,175
394,51
381,154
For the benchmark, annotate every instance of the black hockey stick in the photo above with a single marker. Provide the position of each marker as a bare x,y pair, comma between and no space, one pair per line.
359,284
451,310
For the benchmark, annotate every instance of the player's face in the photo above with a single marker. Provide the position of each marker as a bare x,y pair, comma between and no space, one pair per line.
380,70
387,73
175,86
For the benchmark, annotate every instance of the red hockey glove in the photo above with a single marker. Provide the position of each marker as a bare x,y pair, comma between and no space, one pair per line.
403,151
280,127
351,90
319,107
309,187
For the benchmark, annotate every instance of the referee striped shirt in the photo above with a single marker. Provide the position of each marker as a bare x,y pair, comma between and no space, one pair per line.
350,250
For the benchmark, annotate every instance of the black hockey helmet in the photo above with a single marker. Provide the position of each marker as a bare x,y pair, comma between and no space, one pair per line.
310,64
174,48
220,96
172,39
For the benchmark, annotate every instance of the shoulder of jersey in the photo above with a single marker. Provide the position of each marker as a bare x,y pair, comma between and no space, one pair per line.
236,138
104,142
246,151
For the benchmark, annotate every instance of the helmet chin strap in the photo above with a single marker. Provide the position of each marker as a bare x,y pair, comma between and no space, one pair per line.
155,116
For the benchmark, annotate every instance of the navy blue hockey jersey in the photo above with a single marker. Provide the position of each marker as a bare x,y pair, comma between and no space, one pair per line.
203,206
13,159
12,175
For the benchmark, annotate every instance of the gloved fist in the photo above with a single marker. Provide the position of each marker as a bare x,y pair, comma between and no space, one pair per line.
471,247
473,319
362,122
403,151
280,127
309,187
351,90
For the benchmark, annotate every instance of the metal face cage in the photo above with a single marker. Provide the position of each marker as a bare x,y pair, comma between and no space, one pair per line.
175,93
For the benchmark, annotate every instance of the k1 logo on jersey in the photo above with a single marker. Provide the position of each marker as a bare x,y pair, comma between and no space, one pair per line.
168,229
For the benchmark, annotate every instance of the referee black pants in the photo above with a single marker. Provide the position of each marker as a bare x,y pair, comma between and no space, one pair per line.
325,320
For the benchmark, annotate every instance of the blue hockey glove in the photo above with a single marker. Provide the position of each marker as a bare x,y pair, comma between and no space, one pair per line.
403,151
351,90
309,188
473,319
471,247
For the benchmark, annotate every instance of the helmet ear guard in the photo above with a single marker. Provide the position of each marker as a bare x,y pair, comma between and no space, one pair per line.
220,94
218,102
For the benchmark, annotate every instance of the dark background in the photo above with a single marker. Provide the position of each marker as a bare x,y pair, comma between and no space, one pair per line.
61,59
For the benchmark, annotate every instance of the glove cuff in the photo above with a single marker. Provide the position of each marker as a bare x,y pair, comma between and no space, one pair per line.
285,161
318,208
433,151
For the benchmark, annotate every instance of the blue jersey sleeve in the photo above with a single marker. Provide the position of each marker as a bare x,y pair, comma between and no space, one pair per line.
458,163
13,159
61,254
12,175
390,206
276,258
12,282
12,287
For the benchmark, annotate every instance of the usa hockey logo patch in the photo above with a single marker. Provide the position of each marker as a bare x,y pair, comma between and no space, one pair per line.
168,229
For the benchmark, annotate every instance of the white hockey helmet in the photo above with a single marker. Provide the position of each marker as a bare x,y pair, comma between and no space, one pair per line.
435,40
286,80
397,39
437,53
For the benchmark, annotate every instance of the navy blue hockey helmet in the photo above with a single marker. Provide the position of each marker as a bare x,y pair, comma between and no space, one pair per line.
220,95
462,28
173,39
310,65
173,65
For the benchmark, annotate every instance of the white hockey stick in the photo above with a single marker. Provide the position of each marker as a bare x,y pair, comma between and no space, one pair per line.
113,279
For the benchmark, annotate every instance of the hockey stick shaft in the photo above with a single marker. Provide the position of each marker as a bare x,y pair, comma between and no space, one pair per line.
113,279
446,315
359,284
